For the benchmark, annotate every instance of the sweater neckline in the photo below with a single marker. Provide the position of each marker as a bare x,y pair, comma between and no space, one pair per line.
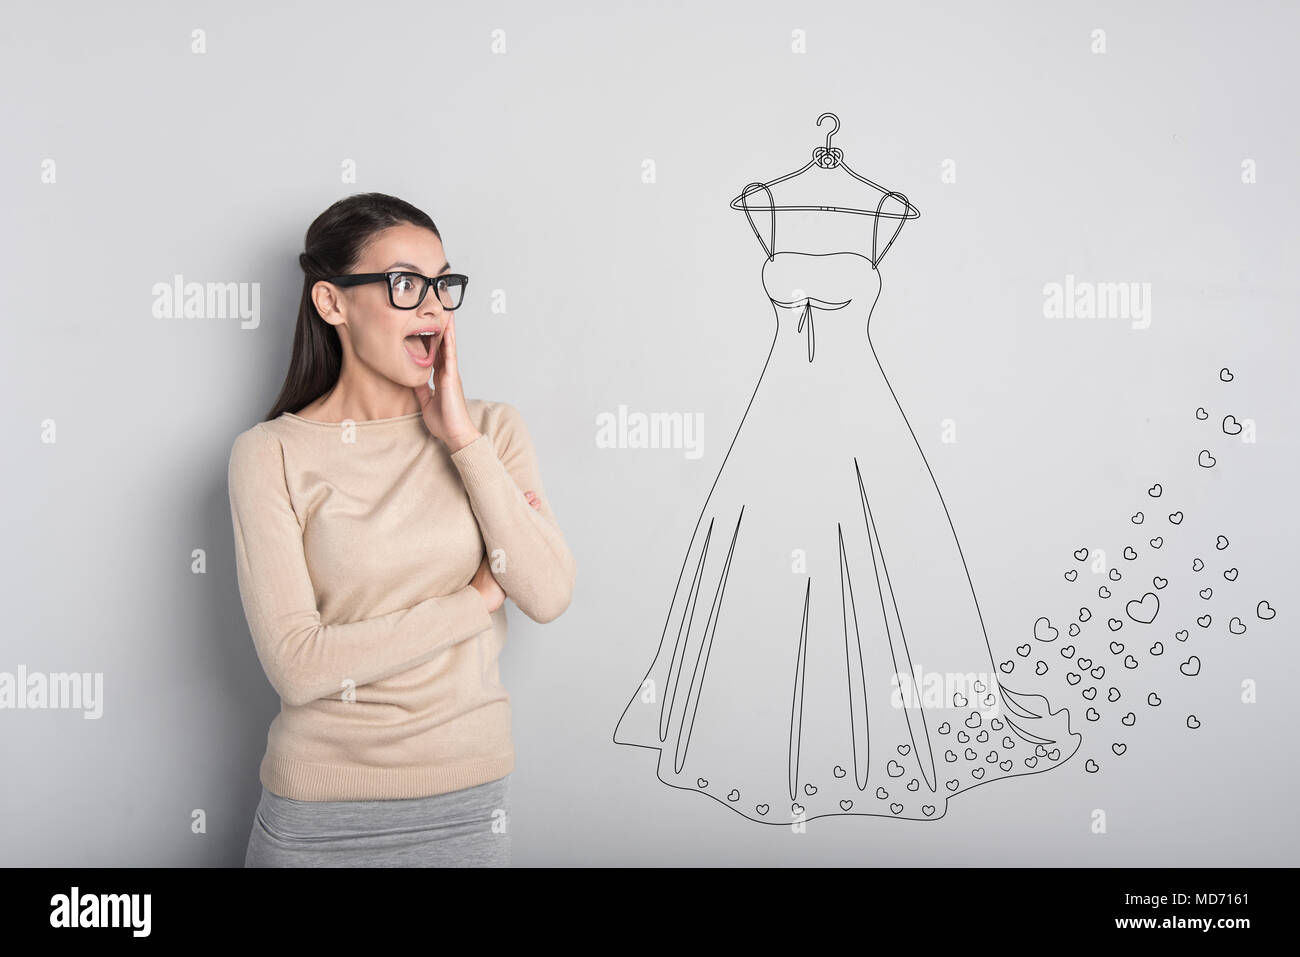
334,425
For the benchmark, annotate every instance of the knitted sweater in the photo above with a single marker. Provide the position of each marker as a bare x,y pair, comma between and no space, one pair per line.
355,544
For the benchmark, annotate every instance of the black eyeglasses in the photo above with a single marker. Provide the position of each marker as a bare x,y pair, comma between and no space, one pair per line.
406,290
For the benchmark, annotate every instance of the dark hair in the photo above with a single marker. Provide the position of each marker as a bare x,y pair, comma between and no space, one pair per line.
334,243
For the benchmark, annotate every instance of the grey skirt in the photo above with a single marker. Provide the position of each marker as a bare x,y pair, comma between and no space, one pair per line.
465,828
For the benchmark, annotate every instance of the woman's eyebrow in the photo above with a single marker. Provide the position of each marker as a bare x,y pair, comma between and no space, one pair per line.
413,267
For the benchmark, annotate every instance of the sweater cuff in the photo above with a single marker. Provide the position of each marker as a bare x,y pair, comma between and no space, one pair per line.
465,612
478,462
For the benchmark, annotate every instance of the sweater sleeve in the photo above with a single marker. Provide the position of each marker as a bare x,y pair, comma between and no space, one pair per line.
526,551
303,658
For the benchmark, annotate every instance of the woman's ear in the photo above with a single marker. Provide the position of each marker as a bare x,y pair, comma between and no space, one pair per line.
329,304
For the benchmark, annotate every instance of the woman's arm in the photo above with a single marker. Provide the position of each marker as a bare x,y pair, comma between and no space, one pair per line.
304,659
525,549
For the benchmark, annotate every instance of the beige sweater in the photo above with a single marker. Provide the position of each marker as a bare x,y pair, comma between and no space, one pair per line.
354,549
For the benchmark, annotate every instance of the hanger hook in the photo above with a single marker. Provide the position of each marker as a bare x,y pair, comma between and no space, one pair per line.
835,130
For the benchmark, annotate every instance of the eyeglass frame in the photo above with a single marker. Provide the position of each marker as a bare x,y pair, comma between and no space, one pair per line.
357,279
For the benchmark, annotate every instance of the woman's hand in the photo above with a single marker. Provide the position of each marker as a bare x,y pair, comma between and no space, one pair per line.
493,594
445,414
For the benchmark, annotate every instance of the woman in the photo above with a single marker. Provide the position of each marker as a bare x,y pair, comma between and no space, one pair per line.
379,526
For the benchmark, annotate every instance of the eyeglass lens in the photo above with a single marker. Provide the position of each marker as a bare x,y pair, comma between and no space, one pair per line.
408,289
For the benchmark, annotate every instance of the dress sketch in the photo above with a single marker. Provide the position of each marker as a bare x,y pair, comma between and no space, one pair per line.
824,651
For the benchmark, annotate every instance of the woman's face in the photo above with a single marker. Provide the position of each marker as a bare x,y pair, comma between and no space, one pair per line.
382,337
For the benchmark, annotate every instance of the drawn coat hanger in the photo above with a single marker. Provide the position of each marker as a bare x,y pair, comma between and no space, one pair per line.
828,158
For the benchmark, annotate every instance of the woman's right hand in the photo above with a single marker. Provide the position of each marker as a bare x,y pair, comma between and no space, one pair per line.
494,595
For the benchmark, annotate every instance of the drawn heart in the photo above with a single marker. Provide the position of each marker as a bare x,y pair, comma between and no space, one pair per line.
1103,592
970,754
1193,722
1005,765
1074,630
1231,426
762,808
1206,593
1073,678
1157,541
1112,694
1202,414
1153,699
1191,667
977,774
927,809
796,808
1205,460
950,756
1115,575
733,795
1160,582
1067,651
913,784
996,724
1237,626
1031,762
882,794
1197,564
1181,635
1006,667
1220,543
839,772
846,805
1040,668
1130,553
1128,719
1084,614
1040,750
1157,649
1204,621
904,749
978,686
990,700
1130,662
963,737
1230,574
982,737
945,728
1024,650
1225,375
1116,648
1054,754
953,784
1007,742
1145,609
702,782
1114,624
1092,714
1265,611
896,808
974,720
1155,490
959,700
1119,747
891,766
810,789
1091,766
1072,574
1136,518
1084,664
1176,517
1081,554
1090,693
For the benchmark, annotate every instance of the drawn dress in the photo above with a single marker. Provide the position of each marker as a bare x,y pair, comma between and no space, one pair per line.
822,582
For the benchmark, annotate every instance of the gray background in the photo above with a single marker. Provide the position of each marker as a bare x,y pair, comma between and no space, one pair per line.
1116,167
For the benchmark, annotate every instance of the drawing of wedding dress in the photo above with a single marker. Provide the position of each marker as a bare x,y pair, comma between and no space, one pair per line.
824,652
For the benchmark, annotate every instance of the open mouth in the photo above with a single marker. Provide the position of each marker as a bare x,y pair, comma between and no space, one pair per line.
420,347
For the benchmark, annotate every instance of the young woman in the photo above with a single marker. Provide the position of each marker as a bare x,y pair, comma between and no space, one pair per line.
379,526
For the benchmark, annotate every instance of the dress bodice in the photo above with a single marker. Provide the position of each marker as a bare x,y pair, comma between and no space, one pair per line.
840,289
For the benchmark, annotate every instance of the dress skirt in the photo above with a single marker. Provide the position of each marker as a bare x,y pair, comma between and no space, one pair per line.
465,828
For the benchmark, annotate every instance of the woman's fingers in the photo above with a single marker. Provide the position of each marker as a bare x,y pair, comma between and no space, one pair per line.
533,500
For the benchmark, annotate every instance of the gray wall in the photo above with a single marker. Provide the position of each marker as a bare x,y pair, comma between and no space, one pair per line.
1122,166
